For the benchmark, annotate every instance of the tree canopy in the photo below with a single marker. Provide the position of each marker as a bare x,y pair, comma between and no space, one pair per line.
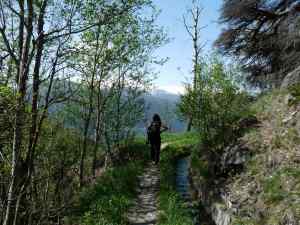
263,34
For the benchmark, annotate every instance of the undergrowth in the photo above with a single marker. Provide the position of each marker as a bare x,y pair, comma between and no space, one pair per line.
173,210
108,200
180,144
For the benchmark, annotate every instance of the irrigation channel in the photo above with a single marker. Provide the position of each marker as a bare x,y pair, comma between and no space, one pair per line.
184,189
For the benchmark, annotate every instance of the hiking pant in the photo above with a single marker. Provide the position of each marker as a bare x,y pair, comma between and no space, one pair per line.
155,151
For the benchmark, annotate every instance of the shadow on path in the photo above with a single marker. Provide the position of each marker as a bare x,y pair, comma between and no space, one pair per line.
145,209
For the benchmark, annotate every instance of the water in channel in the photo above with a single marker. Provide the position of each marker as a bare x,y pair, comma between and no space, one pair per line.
183,187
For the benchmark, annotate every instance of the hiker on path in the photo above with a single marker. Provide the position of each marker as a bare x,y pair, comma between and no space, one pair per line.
153,137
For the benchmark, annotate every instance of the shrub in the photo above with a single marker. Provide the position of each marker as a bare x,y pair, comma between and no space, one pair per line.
216,103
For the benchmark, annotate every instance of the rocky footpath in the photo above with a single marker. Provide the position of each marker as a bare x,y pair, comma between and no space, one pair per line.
145,209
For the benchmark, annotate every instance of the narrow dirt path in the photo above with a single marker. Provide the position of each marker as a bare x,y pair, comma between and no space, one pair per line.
145,209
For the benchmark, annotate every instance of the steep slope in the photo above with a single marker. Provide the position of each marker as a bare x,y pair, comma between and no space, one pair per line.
257,179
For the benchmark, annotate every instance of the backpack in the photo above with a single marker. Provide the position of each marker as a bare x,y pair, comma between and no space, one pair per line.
153,131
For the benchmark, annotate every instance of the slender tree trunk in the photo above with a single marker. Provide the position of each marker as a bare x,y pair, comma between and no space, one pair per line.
33,133
87,126
189,125
85,139
194,32
98,129
90,109
19,119
96,144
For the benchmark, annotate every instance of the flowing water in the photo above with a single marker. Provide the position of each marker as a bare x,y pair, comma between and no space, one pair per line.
183,187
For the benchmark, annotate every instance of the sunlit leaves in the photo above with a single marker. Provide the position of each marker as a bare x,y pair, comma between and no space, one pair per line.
215,103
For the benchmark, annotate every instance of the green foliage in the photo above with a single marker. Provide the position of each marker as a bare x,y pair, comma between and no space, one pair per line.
294,172
7,109
173,210
215,103
181,143
95,55
5,92
273,190
240,221
179,137
264,106
295,92
65,144
108,200
200,165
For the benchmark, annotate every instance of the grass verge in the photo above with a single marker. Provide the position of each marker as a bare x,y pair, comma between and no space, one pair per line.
172,209
180,144
107,202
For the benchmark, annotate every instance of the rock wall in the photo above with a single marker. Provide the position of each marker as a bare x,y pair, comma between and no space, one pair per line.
257,179
213,192
291,78
216,205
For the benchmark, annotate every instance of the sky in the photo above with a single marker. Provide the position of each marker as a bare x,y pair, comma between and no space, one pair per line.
179,51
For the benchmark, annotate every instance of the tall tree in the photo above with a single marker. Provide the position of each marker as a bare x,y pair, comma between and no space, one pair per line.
194,28
28,30
263,35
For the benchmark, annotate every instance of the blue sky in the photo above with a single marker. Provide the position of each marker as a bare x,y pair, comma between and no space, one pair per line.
179,50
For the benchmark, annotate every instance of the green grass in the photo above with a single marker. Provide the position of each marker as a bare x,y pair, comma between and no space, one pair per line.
295,92
274,185
173,211
273,192
180,143
179,137
108,200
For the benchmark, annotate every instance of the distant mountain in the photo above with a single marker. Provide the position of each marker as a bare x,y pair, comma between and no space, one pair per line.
162,94
164,104
157,101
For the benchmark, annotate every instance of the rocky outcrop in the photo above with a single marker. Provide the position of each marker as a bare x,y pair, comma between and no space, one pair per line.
233,158
218,207
220,199
291,78
257,179
220,215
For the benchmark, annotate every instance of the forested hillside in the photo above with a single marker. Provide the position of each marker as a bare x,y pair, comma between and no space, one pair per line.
77,97
73,75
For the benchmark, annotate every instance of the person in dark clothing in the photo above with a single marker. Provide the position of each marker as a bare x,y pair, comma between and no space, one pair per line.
153,137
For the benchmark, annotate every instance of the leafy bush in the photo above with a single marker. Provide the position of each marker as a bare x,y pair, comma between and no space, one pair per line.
108,201
216,103
7,109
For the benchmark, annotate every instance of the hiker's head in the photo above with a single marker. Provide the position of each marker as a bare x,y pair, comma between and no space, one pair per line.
156,118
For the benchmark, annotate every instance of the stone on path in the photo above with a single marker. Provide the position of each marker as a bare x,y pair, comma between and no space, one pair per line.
145,211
